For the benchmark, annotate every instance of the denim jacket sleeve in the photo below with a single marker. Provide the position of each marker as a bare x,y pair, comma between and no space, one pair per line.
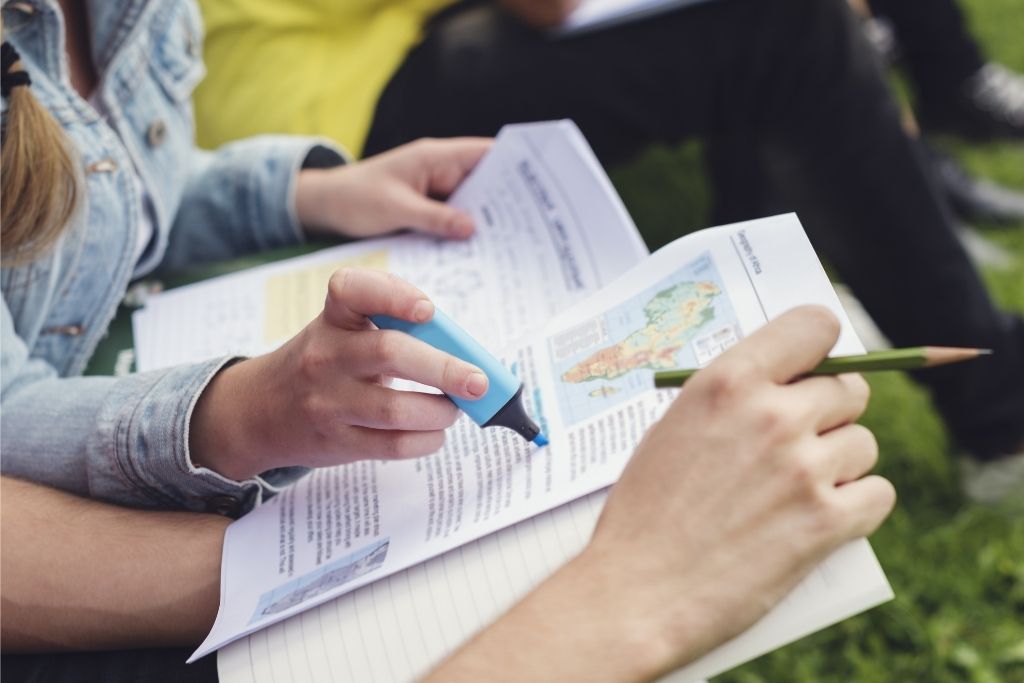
240,199
119,439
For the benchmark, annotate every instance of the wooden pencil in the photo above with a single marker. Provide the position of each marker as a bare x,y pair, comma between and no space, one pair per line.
892,359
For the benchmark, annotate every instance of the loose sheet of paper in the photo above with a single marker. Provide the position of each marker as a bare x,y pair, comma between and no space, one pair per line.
590,371
550,231
596,14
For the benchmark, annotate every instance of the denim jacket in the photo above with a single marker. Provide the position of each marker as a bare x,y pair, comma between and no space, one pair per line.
125,440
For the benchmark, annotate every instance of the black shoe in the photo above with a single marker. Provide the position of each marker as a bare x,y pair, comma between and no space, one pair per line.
988,105
974,199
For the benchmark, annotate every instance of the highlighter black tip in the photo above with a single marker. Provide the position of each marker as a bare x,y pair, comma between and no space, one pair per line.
513,416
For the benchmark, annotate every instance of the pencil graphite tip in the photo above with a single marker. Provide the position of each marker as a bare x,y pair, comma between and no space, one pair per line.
540,440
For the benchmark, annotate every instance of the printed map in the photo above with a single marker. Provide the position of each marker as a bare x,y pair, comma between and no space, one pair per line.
683,321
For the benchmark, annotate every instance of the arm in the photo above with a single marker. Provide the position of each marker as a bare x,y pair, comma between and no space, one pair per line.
258,194
239,199
127,440
82,575
744,465
121,439
750,480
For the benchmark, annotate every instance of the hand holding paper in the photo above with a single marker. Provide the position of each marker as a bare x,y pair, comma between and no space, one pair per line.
391,191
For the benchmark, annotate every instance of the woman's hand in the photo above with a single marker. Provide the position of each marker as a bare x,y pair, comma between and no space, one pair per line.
322,398
391,191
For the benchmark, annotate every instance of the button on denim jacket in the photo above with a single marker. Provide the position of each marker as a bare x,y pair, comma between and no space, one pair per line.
125,440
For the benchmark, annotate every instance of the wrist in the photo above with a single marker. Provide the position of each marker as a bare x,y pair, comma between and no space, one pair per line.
312,200
628,634
223,430
658,626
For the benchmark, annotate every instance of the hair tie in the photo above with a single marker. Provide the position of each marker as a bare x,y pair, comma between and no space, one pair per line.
11,79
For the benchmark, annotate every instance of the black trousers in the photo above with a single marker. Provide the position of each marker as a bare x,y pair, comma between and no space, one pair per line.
793,85
129,666
936,45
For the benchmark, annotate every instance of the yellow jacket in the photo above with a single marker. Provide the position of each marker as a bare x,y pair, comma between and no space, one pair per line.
302,66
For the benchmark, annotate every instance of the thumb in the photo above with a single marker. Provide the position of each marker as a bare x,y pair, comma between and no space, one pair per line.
437,218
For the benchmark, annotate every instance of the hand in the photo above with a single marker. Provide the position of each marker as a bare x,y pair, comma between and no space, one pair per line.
542,14
752,477
391,191
322,398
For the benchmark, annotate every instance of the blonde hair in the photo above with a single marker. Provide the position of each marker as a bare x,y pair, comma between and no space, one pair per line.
39,184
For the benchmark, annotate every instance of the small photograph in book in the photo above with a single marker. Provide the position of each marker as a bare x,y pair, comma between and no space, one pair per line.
322,579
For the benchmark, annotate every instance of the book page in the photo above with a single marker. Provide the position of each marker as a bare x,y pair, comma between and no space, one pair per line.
550,231
597,14
590,377
400,627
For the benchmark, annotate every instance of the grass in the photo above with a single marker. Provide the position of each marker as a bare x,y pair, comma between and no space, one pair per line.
957,568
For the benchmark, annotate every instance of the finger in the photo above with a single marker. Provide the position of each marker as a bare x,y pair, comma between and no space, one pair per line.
397,354
434,217
849,452
390,444
383,408
865,504
355,293
833,401
451,160
787,346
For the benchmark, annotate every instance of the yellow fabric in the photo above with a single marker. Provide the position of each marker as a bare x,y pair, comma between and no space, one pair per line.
314,67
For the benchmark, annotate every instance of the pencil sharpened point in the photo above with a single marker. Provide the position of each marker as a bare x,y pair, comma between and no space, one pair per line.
540,440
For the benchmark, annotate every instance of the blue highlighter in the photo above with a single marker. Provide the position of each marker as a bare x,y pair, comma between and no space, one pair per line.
502,405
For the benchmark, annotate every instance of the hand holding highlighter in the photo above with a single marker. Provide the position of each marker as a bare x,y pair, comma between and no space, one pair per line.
502,405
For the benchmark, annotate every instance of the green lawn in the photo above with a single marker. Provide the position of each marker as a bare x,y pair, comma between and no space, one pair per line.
957,568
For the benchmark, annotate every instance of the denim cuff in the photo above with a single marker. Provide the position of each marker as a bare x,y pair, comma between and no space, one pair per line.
240,199
271,189
148,427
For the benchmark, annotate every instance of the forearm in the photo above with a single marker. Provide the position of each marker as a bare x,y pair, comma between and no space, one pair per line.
577,625
77,574
239,200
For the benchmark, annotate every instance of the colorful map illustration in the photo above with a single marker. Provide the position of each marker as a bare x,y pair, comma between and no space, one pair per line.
683,321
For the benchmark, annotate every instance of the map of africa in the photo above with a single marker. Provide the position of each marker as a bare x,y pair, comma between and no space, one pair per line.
683,321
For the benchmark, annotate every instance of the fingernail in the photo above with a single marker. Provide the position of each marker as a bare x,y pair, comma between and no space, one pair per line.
462,226
422,311
476,384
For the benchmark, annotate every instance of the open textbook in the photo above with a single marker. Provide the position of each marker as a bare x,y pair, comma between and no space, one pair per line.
377,570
